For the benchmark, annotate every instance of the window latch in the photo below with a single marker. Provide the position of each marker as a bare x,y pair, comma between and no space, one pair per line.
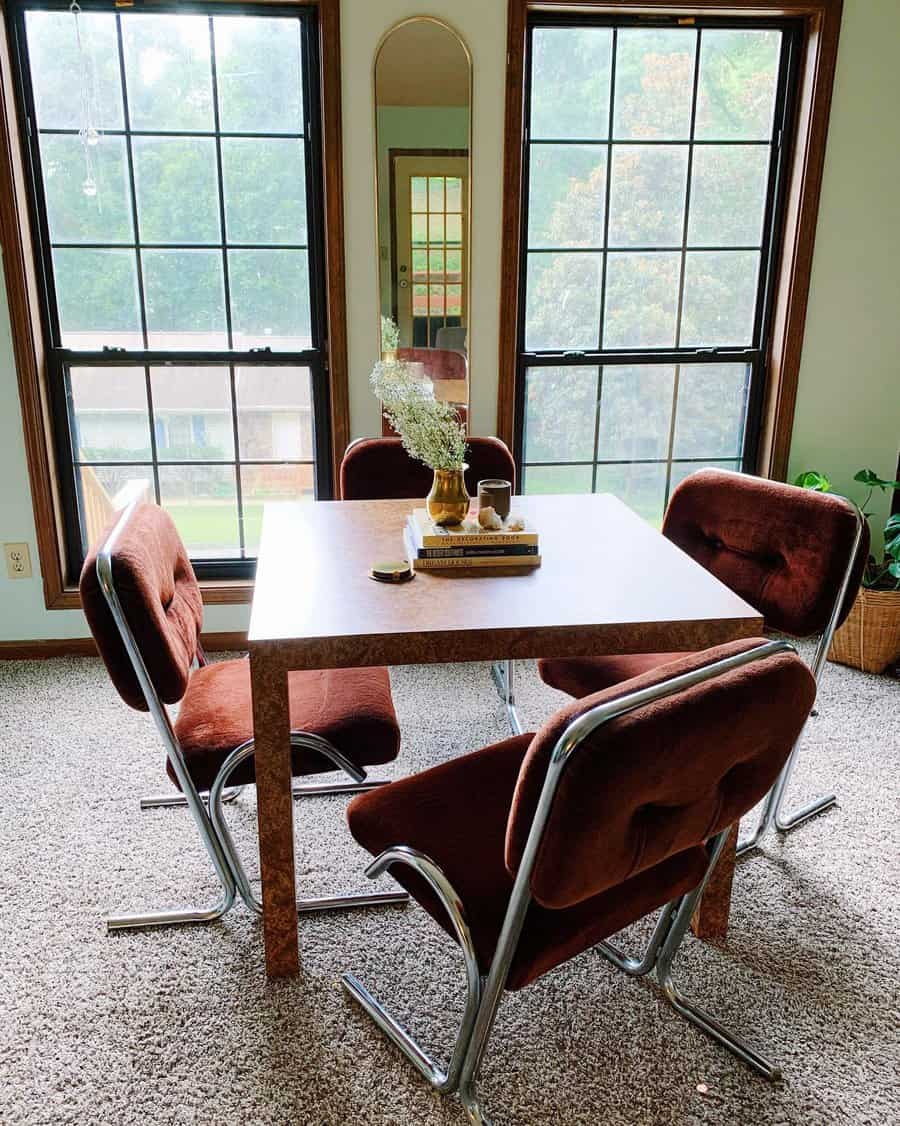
572,355
113,349
260,351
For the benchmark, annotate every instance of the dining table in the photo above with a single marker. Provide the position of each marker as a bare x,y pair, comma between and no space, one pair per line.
609,582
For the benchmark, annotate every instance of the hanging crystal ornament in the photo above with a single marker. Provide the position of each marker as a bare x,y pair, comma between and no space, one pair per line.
88,132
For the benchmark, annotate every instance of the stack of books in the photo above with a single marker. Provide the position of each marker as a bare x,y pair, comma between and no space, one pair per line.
433,548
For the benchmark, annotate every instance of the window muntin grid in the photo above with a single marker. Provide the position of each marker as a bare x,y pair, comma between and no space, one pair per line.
641,212
436,222
236,241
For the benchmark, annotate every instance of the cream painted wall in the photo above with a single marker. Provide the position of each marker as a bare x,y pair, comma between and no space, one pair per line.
848,412
848,406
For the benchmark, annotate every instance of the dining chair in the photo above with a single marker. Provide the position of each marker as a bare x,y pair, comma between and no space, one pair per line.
381,469
144,608
534,850
796,555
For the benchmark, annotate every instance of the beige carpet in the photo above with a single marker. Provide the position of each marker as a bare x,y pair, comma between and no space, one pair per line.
181,1026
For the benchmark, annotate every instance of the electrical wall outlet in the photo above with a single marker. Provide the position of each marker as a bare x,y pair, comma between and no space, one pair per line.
18,560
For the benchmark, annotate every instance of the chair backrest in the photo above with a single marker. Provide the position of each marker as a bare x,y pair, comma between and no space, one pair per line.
160,599
452,337
660,779
381,469
439,363
783,549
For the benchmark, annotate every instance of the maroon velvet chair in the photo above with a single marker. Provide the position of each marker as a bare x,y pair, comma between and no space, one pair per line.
144,608
795,555
381,469
536,849
448,366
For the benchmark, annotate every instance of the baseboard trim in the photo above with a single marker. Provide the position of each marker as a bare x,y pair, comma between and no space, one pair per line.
43,649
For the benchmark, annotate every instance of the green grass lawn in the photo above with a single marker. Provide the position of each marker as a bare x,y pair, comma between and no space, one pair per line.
209,527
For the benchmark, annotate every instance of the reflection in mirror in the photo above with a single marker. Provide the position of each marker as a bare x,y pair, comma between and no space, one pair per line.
423,86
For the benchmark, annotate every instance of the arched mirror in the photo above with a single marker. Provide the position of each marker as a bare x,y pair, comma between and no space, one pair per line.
423,114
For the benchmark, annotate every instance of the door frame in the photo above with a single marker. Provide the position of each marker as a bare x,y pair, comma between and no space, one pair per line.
392,208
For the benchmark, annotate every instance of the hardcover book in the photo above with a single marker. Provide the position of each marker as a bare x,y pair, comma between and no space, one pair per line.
423,563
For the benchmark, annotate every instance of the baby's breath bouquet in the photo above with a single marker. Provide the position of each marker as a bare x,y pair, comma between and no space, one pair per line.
430,430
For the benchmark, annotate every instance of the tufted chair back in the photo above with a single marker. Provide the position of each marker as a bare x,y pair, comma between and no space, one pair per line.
781,548
160,598
381,469
659,780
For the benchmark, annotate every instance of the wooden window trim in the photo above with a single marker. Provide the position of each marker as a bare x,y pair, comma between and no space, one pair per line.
60,589
821,27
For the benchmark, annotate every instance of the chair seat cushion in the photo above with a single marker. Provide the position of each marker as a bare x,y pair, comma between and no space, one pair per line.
456,814
351,708
582,676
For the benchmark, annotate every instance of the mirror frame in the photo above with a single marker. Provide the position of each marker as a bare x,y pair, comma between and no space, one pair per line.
467,282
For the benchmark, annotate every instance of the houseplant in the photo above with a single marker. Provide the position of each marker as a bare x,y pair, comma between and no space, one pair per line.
869,638
431,432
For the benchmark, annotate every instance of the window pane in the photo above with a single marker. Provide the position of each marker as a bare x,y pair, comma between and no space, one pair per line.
436,193
105,489
185,299
270,299
258,74
641,487
641,300
54,57
563,302
654,83
543,479
263,483
75,214
265,191
192,413
728,195
274,413
566,195
97,298
418,193
712,405
635,413
167,71
738,82
109,407
647,193
719,298
202,500
177,189
454,193
560,409
570,71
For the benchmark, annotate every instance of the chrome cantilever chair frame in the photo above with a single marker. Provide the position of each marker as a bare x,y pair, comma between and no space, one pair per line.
484,991
209,819
773,807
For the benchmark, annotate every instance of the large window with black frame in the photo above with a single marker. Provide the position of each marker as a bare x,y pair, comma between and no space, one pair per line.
176,175
653,170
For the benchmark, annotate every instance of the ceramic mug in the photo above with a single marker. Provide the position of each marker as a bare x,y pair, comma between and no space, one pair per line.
495,493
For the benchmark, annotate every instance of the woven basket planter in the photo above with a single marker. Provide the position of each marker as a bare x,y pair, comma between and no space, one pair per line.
870,637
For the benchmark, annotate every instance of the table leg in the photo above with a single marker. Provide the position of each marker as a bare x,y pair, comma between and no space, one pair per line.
272,735
711,917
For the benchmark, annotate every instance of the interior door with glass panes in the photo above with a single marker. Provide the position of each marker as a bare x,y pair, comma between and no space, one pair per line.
653,160
431,234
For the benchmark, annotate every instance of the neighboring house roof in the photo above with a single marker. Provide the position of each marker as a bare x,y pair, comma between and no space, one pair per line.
191,389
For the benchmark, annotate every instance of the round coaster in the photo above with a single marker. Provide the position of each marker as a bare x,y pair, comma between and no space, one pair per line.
394,572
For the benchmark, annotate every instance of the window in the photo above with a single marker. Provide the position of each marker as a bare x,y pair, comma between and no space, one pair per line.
176,176
652,183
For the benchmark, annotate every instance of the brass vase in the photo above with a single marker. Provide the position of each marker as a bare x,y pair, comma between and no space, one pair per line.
448,501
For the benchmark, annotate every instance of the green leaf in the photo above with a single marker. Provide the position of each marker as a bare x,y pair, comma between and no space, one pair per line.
894,569
870,478
893,524
814,480
892,547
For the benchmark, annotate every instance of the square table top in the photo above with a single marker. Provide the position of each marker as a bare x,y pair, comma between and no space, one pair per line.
609,582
